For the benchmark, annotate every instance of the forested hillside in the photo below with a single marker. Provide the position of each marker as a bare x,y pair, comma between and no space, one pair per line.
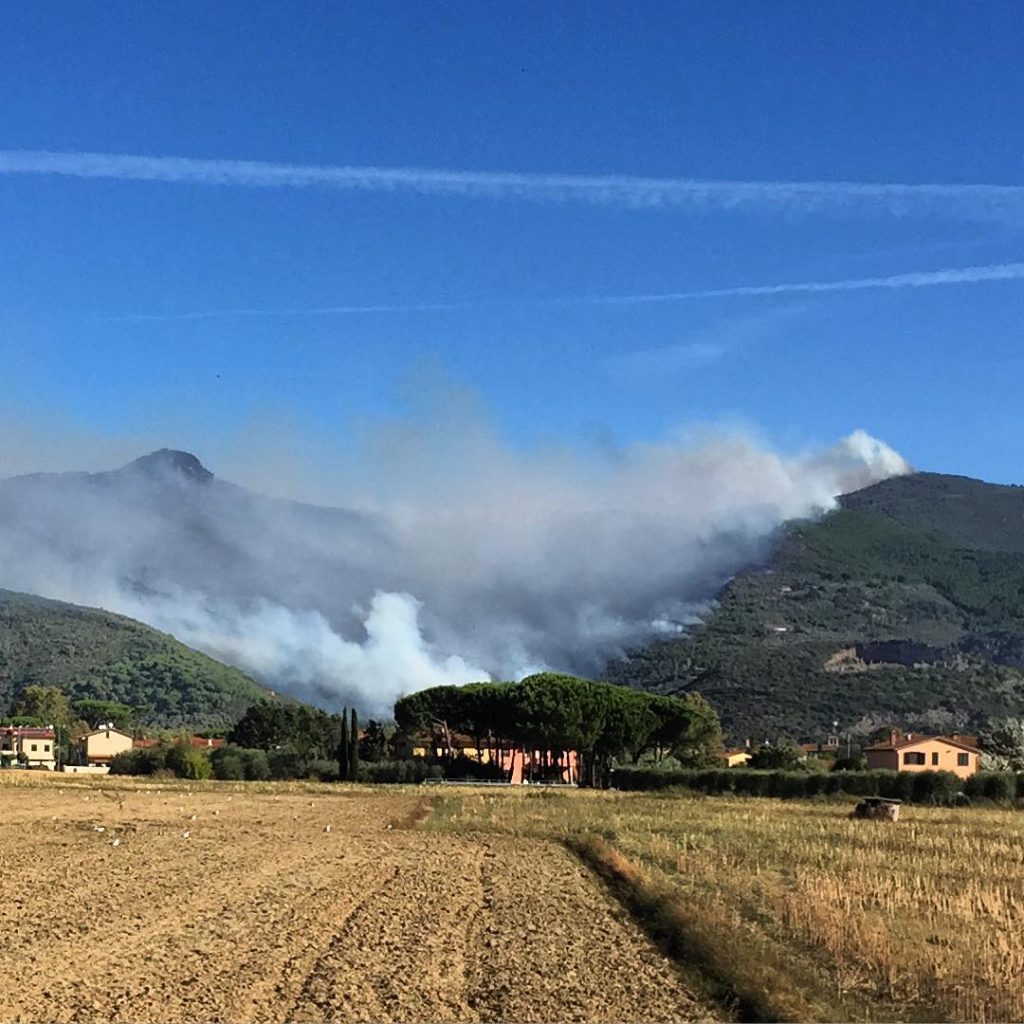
89,653
904,606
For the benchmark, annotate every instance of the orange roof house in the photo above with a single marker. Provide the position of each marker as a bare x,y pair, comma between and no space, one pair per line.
916,753
518,763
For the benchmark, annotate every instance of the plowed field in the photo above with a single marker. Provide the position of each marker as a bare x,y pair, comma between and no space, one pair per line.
160,904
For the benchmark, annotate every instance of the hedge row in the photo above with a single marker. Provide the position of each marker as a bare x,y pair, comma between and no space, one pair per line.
180,761
943,788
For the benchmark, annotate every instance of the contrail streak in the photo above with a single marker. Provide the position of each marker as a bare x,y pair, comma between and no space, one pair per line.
917,279
964,201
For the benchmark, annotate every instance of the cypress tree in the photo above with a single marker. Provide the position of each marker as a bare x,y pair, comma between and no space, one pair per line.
353,761
343,747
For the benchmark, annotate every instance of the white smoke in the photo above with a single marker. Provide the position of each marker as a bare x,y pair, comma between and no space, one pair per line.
460,560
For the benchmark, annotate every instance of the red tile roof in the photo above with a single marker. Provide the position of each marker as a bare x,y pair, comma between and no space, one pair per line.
915,739
30,732
197,741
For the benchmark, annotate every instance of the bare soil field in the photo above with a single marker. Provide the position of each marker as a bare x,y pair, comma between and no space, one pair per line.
157,902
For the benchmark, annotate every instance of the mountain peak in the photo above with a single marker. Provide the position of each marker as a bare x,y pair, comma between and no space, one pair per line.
169,462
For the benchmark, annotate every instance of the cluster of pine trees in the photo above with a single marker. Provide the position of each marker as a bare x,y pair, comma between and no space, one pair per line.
557,713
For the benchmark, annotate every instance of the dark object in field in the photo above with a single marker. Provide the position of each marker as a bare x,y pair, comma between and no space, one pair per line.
878,808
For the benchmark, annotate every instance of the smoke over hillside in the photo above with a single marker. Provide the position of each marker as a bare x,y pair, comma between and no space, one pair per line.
469,561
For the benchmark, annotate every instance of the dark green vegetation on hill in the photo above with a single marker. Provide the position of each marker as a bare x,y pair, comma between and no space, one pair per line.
92,654
903,606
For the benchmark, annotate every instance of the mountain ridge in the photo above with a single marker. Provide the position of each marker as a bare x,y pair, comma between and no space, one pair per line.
91,653
920,576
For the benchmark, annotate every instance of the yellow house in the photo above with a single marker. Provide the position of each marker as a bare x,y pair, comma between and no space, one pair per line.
734,758
916,753
102,745
30,746
428,746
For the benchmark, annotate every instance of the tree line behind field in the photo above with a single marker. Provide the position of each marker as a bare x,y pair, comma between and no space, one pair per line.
548,713
925,787
554,714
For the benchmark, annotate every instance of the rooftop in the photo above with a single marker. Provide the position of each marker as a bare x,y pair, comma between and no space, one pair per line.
899,741
32,732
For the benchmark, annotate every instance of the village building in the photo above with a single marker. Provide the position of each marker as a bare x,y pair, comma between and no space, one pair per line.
914,752
735,758
28,746
101,746
516,764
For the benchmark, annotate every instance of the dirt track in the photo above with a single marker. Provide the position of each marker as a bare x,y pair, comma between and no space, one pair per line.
235,906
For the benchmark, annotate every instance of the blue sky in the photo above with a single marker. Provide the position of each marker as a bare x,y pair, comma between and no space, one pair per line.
96,271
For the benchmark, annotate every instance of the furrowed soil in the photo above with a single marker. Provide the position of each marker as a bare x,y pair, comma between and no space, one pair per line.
160,903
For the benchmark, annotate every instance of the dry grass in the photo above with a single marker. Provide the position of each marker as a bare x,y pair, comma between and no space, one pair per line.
803,912
153,784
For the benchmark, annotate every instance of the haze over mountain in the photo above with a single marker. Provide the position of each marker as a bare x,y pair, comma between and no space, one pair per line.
495,564
903,606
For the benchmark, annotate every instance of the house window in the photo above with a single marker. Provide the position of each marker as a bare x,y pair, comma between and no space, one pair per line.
33,748
913,757
935,757
963,760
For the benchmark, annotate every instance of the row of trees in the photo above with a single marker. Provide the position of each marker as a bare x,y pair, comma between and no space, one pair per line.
927,787
558,713
166,758
547,712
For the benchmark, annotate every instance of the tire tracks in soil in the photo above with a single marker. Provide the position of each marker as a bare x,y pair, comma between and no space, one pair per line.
263,916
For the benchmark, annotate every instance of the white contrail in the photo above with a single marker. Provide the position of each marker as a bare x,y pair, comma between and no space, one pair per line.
214,314
917,279
973,202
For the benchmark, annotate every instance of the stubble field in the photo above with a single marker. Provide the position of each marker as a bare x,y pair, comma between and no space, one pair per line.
225,903
791,910
135,901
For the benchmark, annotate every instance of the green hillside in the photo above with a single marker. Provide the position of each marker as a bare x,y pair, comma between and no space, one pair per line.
93,654
903,606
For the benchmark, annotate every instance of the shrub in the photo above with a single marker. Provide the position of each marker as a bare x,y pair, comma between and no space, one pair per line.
631,778
228,764
785,756
188,762
257,767
139,761
753,783
286,764
323,770
903,786
942,788
234,763
996,786
414,769
815,784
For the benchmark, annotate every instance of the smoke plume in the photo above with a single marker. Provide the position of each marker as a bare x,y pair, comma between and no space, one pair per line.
455,558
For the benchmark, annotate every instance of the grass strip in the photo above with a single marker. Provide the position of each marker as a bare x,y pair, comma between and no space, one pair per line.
746,978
